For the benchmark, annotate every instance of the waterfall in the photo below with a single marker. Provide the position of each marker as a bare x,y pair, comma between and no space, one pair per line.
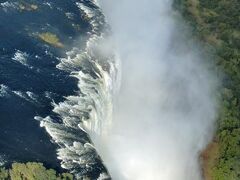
86,116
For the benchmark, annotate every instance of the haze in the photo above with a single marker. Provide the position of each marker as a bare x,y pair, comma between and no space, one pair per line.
165,109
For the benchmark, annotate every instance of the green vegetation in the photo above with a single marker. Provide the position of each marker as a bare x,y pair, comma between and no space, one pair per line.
32,171
4,174
51,39
216,23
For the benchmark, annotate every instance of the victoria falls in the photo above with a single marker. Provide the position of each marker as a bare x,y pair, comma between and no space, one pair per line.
122,90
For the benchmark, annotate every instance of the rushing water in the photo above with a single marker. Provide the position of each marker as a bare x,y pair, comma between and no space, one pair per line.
57,94
89,111
52,98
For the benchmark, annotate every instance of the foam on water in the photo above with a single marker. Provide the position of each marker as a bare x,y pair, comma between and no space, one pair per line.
48,4
4,90
2,160
21,57
9,5
86,116
28,96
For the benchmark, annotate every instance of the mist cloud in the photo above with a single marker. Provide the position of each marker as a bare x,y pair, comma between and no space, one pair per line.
165,110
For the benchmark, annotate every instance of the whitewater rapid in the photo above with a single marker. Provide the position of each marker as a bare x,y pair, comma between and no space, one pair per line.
86,116
165,108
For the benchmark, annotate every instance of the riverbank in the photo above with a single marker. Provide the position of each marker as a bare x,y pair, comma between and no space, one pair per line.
216,24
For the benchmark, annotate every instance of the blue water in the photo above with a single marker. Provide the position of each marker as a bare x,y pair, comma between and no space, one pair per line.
38,80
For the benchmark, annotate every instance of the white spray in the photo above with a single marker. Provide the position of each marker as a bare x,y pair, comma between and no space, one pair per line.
164,113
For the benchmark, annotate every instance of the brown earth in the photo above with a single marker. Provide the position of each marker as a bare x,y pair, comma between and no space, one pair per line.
208,159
